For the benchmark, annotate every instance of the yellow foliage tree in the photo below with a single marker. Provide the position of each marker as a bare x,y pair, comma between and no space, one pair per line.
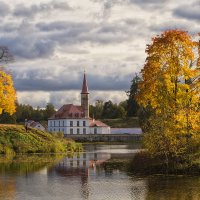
7,93
170,85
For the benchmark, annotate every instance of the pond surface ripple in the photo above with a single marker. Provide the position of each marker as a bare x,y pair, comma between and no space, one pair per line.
99,173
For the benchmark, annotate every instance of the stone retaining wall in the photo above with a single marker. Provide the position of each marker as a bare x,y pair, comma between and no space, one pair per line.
106,137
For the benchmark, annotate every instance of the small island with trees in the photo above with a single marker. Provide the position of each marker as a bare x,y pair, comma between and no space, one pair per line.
169,91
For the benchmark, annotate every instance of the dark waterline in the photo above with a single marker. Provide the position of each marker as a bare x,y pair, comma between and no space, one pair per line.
99,173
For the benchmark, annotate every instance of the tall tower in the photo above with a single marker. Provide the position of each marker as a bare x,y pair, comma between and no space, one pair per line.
85,97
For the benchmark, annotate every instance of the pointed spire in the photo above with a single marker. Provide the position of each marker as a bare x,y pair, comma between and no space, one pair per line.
84,86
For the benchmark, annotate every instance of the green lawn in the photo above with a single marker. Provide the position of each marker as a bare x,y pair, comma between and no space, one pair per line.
131,122
14,139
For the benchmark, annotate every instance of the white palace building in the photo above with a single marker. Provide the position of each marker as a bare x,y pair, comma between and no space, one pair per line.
73,119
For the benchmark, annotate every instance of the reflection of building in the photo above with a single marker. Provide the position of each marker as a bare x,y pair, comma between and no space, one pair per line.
84,160
79,168
72,119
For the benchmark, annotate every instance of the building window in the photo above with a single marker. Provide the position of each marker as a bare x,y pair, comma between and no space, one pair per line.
83,123
84,131
50,123
63,123
78,131
59,123
71,123
71,130
63,130
95,130
54,123
77,123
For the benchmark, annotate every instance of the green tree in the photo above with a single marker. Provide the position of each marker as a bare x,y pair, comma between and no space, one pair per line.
49,111
132,105
6,118
97,109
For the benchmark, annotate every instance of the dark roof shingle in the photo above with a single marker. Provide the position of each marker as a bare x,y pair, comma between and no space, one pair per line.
69,111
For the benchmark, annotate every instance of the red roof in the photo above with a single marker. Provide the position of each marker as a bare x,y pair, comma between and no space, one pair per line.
84,86
69,111
96,123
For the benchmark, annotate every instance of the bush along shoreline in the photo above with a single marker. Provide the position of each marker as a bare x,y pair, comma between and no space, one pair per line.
143,163
15,140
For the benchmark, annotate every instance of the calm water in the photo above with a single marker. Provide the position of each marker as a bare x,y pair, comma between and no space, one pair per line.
97,174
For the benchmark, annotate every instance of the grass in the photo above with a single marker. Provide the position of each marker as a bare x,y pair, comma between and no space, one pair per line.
15,140
131,122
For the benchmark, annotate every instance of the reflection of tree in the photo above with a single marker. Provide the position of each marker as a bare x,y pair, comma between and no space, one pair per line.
12,167
25,164
7,189
176,188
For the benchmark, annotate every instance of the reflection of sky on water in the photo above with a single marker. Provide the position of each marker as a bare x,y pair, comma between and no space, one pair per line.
94,175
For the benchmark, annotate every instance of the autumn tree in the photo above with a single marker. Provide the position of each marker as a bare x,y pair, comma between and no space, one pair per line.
170,86
7,91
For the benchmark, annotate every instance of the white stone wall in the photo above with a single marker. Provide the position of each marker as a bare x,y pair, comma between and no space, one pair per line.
64,125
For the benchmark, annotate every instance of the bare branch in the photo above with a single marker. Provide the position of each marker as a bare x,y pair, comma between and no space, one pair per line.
5,55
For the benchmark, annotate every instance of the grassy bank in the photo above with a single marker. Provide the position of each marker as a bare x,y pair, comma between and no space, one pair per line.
14,139
122,123
144,164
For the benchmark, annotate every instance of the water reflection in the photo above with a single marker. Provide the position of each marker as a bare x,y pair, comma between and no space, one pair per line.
100,173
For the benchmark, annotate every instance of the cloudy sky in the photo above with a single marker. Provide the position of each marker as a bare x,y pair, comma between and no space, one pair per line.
54,41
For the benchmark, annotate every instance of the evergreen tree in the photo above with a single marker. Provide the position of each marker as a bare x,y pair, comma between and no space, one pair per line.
132,105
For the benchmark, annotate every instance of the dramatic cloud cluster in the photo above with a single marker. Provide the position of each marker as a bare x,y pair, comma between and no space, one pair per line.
54,41
189,11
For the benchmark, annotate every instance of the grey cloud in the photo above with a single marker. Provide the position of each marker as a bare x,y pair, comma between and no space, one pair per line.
149,4
176,24
4,9
28,48
60,98
107,5
69,28
33,80
32,41
26,42
188,11
30,11
8,28
76,33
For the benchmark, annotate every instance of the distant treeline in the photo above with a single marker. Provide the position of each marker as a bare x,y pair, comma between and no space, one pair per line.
28,112
101,110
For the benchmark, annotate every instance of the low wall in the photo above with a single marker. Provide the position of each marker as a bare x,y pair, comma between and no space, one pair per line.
106,137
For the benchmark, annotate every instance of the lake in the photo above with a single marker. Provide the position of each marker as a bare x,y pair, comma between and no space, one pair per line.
99,173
